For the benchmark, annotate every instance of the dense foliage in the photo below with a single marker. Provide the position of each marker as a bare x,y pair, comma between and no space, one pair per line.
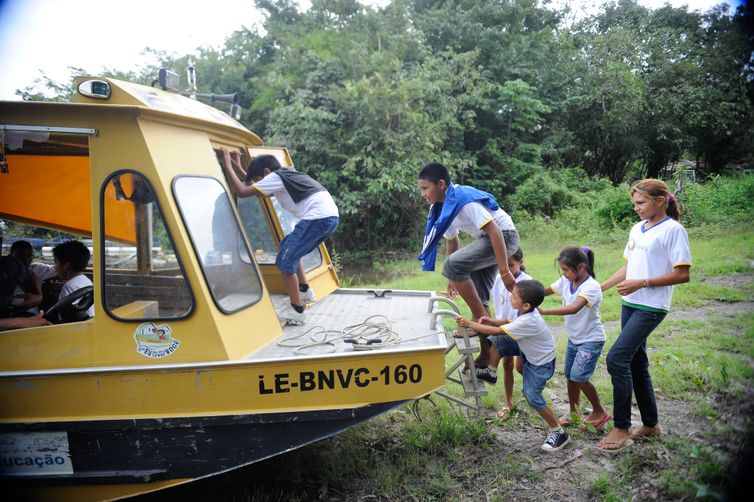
519,99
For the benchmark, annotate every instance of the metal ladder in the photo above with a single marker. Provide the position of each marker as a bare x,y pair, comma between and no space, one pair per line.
467,346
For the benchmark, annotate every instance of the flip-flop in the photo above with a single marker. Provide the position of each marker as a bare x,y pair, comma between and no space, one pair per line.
503,413
459,333
601,422
642,437
621,445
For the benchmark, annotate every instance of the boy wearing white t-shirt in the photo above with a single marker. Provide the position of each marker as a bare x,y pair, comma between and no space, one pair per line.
537,353
71,259
306,199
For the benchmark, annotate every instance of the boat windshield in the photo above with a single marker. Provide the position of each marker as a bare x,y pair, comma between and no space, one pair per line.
216,236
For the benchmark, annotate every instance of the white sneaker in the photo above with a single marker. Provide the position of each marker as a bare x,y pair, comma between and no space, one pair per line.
308,296
290,316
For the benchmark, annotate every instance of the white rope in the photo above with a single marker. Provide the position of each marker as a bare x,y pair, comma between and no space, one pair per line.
375,332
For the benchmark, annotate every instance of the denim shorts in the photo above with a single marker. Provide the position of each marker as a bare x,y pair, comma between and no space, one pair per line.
505,345
306,236
535,379
581,360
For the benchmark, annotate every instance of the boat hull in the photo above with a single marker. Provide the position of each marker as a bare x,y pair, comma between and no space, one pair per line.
143,452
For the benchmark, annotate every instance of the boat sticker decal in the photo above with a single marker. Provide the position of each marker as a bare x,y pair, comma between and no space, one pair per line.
155,341
34,454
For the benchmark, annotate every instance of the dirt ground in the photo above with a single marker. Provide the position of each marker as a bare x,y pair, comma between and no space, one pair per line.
534,475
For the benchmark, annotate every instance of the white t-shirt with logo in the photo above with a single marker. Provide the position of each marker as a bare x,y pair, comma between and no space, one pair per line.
652,252
74,284
318,205
501,297
533,336
585,325
473,216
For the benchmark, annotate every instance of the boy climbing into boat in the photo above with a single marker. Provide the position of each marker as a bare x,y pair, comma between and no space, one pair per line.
304,197
471,269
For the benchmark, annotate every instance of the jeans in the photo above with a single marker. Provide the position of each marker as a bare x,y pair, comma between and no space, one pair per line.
535,379
628,365
581,360
306,236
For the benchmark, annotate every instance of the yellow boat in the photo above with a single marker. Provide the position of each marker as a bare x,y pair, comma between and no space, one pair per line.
184,371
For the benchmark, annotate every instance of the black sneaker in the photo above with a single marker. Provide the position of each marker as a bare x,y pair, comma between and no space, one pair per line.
555,441
487,374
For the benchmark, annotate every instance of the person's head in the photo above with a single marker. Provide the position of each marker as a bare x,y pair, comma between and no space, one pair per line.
22,250
575,263
433,180
516,262
71,258
527,295
260,166
652,197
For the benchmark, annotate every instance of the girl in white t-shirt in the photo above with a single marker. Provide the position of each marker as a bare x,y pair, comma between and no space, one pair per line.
657,257
581,295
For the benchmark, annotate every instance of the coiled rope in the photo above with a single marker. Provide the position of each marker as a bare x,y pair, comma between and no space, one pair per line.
375,332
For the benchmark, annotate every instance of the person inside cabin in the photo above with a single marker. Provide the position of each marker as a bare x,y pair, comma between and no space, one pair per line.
14,274
24,304
71,259
301,195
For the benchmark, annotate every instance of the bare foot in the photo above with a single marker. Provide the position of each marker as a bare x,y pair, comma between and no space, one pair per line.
644,432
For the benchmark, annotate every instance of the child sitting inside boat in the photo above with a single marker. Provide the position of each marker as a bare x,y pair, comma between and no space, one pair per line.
71,259
537,348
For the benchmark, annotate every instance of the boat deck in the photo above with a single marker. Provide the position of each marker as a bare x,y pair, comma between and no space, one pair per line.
406,312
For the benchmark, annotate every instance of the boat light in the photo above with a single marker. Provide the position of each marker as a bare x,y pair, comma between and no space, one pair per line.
97,89
168,80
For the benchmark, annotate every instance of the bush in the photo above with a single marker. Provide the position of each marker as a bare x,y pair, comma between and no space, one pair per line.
719,200
542,194
615,208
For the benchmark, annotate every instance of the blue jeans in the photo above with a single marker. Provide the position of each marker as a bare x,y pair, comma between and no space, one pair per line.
505,345
628,365
535,379
581,360
306,236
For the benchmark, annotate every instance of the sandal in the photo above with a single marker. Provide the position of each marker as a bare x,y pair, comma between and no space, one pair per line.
459,333
620,445
649,435
601,422
504,413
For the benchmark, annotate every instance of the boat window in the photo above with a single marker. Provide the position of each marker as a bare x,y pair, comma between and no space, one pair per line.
263,242
143,277
219,245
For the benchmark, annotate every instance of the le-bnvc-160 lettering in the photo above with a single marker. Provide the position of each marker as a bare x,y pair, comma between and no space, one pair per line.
306,381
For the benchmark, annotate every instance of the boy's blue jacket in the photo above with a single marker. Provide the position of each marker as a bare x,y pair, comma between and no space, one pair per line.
442,214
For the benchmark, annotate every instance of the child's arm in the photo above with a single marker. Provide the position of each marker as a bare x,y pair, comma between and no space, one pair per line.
235,158
481,328
614,279
578,304
236,185
549,291
451,246
492,322
501,254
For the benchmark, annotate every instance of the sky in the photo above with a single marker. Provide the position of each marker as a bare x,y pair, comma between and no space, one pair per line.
49,36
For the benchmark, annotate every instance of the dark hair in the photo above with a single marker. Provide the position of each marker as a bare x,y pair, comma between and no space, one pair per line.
258,164
435,172
519,256
531,292
654,188
572,256
74,253
20,246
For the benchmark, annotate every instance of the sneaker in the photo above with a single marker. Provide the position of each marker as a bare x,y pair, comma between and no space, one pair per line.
555,441
290,316
487,374
308,296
